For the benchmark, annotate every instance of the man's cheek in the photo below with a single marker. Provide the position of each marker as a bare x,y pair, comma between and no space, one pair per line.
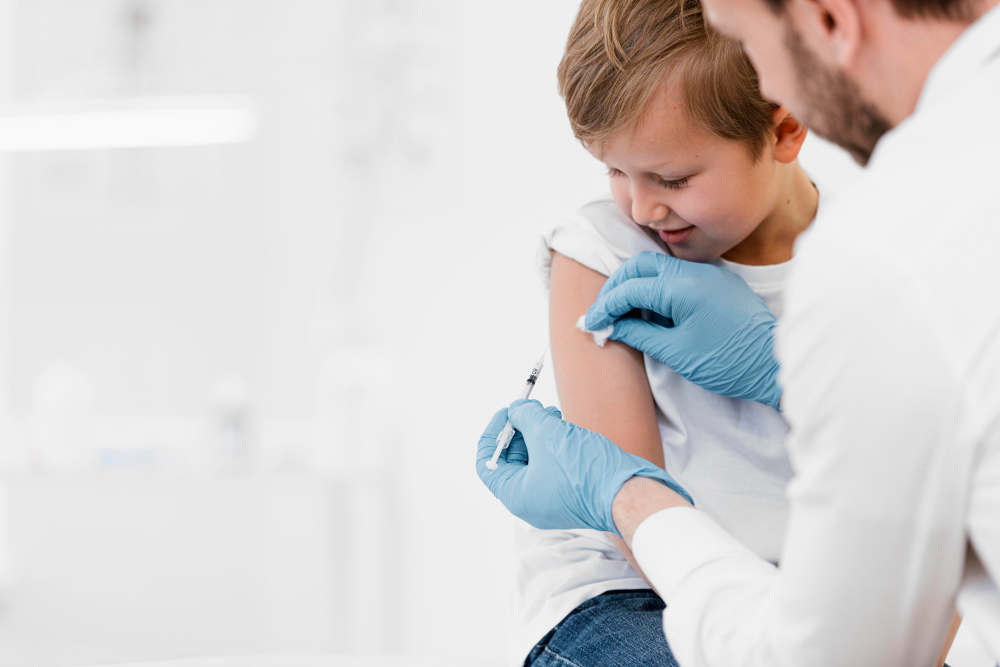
769,79
778,81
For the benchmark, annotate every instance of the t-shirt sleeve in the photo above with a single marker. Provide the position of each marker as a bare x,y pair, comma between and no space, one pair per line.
599,236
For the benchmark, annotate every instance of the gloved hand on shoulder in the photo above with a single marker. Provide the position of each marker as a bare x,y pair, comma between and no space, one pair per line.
723,333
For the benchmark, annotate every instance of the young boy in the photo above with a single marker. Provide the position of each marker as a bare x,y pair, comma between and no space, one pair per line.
703,168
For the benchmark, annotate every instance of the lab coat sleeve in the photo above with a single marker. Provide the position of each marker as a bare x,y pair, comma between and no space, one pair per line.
875,540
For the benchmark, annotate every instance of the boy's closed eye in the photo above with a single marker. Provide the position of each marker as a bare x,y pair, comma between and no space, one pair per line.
674,184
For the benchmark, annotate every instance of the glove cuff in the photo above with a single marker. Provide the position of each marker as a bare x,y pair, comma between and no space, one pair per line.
669,481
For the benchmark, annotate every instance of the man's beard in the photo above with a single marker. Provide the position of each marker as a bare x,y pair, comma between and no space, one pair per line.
835,109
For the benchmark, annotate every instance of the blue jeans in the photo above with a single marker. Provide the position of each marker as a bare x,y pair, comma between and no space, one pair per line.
621,628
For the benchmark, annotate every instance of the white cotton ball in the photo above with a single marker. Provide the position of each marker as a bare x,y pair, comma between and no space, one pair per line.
600,336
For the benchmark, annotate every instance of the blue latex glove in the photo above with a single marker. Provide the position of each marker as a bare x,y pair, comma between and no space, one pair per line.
555,474
723,334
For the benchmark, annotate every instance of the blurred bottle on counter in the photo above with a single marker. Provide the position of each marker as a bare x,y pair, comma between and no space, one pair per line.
231,439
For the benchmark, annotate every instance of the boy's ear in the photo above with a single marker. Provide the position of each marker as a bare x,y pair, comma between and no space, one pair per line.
789,133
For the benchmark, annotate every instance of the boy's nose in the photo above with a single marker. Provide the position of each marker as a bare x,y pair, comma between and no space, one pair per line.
645,212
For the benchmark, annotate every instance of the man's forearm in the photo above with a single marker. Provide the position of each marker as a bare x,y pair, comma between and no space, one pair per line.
639,498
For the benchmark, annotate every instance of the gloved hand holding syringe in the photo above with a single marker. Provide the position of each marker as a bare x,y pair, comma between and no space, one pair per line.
507,434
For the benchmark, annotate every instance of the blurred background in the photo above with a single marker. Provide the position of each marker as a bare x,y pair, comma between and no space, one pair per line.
266,269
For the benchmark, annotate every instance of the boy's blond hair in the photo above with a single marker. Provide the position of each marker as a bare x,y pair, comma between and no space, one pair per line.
620,51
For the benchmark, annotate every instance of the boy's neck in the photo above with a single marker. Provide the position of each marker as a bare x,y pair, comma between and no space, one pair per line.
773,241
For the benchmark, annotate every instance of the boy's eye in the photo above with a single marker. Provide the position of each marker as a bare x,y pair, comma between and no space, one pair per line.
672,185
662,182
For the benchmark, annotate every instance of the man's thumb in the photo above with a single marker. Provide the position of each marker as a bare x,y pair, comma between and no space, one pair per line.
528,416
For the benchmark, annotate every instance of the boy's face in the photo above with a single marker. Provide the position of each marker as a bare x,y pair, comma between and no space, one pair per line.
703,195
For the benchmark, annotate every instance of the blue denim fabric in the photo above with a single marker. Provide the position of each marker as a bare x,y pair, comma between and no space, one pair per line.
621,628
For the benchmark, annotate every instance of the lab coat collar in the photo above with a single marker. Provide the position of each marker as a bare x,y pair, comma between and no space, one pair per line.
972,51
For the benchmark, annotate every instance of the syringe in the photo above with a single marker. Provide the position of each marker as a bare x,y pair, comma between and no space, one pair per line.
507,434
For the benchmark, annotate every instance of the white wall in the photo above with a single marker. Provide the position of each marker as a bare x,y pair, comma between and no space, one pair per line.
153,271
365,264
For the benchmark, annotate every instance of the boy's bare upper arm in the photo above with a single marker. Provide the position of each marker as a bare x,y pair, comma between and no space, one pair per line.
603,389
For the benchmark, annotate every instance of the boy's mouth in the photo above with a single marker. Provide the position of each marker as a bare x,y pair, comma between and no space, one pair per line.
676,236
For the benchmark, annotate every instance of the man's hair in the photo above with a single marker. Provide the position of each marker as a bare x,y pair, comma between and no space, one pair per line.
950,10
620,51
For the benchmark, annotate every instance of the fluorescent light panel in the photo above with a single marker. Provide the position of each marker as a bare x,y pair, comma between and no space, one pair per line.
127,123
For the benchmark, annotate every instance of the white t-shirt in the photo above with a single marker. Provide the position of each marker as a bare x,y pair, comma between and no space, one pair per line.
727,453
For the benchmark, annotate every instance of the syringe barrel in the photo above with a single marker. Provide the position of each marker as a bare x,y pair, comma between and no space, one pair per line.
506,435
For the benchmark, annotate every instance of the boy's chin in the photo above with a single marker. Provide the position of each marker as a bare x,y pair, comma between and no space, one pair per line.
693,254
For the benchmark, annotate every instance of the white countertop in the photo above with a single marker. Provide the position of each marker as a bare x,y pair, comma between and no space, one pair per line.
84,658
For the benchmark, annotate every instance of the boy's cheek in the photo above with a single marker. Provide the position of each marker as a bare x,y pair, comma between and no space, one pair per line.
622,201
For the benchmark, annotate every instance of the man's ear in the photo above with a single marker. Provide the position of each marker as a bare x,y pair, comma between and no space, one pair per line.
831,29
789,134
